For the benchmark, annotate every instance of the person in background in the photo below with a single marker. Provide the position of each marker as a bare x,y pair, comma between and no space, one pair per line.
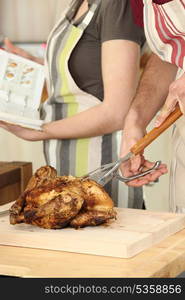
162,85
92,63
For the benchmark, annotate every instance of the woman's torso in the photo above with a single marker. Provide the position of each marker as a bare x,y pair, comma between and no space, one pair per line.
112,20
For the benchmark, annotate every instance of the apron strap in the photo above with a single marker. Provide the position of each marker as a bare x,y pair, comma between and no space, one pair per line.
85,22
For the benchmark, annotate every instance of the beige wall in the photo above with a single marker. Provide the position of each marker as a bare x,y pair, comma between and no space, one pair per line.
157,196
29,20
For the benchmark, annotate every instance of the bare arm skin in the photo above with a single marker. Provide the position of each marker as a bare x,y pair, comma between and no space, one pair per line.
149,98
151,93
18,51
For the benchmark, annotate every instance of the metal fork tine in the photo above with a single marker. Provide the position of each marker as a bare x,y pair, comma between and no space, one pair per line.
104,173
99,170
107,172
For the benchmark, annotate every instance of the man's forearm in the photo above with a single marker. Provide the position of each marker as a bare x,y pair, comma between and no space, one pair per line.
151,93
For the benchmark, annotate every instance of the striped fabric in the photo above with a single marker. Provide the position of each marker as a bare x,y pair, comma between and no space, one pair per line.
165,30
75,156
137,9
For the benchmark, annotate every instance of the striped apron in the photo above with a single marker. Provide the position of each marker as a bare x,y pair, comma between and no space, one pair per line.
73,156
165,33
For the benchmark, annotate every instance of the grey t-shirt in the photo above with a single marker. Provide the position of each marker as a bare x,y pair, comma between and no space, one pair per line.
113,19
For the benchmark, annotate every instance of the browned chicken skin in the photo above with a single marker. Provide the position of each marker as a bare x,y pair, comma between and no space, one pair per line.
52,202
97,207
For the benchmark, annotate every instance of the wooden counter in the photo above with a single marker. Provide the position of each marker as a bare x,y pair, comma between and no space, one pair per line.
166,259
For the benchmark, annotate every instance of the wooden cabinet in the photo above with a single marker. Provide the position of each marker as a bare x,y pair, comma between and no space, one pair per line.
14,177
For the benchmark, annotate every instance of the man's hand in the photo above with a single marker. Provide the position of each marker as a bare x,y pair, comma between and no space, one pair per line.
127,171
176,95
137,164
129,139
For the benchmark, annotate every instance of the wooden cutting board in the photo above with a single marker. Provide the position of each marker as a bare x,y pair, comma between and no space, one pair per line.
133,231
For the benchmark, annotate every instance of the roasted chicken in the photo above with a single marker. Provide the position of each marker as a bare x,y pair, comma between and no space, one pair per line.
52,202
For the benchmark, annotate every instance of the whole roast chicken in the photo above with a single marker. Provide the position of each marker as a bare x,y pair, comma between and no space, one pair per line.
51,201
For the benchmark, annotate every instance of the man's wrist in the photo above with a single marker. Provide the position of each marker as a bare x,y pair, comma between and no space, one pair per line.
134,120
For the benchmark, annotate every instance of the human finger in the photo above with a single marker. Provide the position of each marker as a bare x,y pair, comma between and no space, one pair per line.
181,102
136,162
168,107
155,174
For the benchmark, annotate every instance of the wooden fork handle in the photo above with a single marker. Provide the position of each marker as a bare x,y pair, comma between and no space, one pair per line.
154,133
